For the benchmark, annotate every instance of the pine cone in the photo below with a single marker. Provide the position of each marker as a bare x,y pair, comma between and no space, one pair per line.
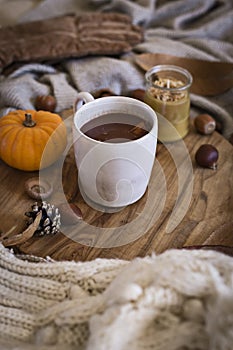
50,221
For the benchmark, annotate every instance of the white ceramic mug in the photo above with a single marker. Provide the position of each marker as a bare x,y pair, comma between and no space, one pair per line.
113,175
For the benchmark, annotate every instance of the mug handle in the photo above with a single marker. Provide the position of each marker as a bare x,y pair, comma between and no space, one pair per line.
82,98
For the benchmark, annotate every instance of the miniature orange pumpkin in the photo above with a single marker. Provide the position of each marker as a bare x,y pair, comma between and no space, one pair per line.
24,136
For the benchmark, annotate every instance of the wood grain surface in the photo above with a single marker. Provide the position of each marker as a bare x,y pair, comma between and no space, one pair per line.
142,227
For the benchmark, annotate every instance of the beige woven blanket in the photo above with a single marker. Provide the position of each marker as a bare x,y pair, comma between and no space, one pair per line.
174,301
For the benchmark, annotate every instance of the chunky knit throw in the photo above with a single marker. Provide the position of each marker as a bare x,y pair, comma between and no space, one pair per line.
177,300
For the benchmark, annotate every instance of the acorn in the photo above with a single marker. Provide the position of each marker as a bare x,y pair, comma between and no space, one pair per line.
37,188
205,124
45,103
207,156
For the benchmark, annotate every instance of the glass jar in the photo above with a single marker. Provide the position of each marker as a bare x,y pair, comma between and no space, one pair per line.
168,94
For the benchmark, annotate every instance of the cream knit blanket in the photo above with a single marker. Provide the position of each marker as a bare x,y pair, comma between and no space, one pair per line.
177,300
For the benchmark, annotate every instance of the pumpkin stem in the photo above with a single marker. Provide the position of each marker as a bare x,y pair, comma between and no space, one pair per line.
28,122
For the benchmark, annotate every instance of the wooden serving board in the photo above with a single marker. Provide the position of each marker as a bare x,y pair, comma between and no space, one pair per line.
143,227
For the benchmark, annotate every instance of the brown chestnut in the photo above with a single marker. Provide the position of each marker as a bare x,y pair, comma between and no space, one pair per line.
46,103
138,94
207,156
103,93
205,124
70,213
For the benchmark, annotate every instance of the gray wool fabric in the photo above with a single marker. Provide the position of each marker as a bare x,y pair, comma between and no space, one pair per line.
201,29
91,74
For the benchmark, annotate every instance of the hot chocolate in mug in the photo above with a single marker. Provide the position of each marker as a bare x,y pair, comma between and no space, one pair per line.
115,140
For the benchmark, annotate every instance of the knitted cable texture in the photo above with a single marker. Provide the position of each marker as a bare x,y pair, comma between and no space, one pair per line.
177,300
